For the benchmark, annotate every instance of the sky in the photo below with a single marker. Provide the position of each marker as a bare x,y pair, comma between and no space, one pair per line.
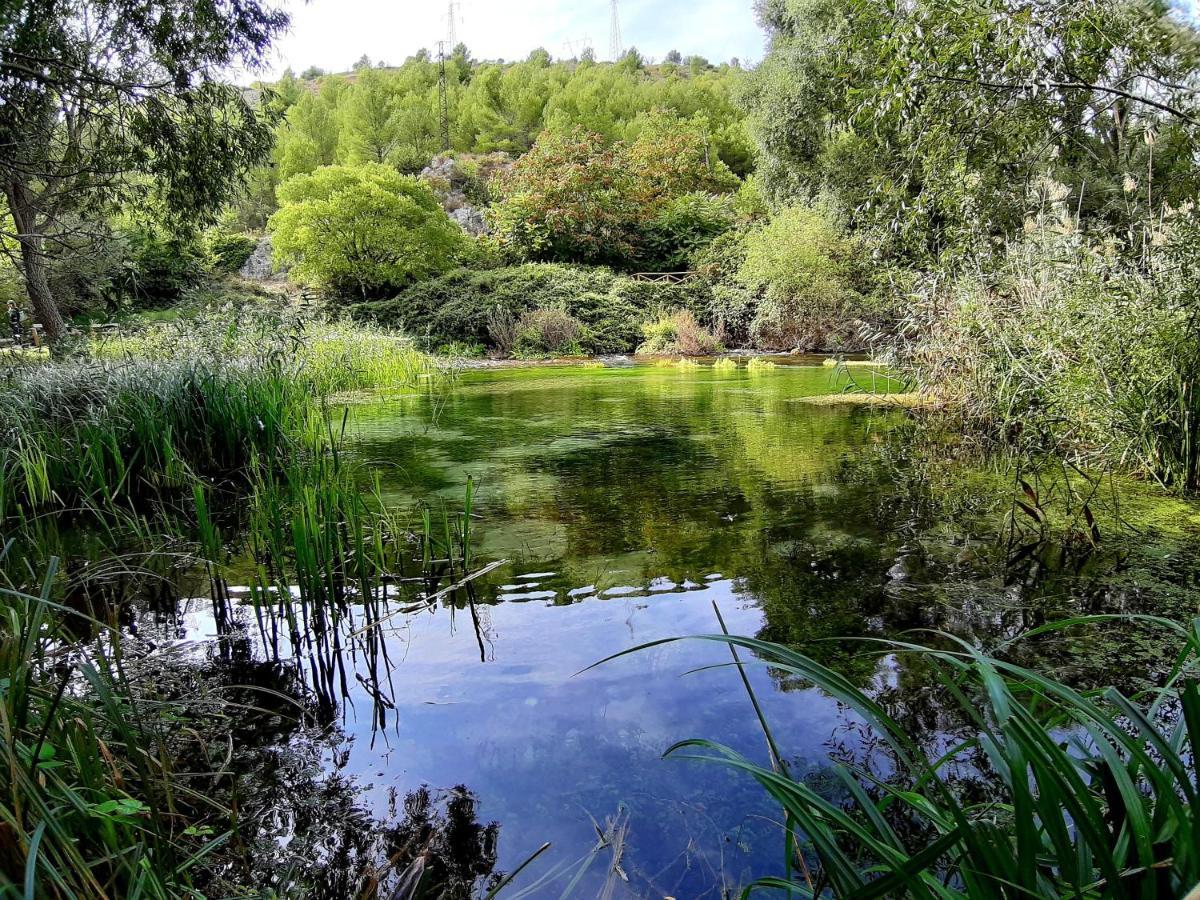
332,34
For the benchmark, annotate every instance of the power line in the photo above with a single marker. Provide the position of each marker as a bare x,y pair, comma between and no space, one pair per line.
614,34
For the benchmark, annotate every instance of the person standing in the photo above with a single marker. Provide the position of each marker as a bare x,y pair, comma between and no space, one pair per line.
14,322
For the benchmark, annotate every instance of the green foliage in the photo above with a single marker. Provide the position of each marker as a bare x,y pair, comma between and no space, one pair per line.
482,307
578,198
1066,347
391,115
683,227
160,267
112,102
572,198
87,797
363,230
227,251
678,333
548,331
1040,790
809,279
932,125
733,304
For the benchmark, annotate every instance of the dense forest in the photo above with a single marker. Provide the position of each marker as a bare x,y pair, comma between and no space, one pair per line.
228,301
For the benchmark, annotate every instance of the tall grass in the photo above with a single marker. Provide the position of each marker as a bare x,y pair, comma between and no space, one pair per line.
96,434
1042,790
1072,346
89,803
153,412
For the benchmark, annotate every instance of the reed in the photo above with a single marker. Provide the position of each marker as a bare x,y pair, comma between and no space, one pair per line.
100,434
90,805
1043,791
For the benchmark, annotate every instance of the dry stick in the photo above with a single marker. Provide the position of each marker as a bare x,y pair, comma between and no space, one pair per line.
429,601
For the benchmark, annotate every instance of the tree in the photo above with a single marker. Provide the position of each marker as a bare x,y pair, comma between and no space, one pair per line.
674,57
577,198
365,230
361,64
369,125
118,100
936,122
672,156
571,198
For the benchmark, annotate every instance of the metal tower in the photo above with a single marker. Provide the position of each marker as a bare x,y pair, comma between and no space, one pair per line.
614,34
453,17
443,97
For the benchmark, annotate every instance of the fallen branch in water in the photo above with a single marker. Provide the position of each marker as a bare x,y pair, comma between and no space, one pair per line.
434,598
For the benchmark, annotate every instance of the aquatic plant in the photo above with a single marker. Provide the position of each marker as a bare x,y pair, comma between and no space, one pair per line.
725,364
758,364
1065,347
1042,791
89,802
183,400
96,434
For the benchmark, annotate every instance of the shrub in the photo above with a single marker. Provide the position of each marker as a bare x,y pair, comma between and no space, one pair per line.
570,198
1068,347
550,331
227,251
485,306
684,226
363,230
576,197
731,303
678,333
160,269
812,286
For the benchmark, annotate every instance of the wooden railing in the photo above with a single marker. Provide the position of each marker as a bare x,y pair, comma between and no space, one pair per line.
664,277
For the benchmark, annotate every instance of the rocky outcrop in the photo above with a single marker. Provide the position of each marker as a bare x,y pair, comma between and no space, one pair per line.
261,264
461,183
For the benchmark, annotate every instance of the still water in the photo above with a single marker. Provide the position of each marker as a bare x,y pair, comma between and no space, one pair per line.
630,504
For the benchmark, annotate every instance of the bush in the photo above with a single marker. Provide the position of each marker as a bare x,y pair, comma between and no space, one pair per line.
542,332
646,203
813,288
227,251
1068,347
160,269
364,230
678,333
683,227
485,306
731,304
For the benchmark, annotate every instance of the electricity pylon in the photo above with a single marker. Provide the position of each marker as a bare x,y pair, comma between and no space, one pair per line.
614,34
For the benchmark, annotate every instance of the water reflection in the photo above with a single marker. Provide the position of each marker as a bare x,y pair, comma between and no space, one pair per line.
629,502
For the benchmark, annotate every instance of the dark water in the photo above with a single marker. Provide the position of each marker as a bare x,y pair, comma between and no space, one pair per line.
629,502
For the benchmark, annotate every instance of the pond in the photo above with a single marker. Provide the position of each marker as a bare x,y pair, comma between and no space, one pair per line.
631,504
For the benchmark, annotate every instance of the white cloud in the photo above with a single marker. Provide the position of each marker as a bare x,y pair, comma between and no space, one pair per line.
332,34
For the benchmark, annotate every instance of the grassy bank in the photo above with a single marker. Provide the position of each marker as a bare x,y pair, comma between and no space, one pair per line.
148,414
118,780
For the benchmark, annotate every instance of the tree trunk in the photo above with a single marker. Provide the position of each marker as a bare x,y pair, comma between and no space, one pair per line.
33,261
